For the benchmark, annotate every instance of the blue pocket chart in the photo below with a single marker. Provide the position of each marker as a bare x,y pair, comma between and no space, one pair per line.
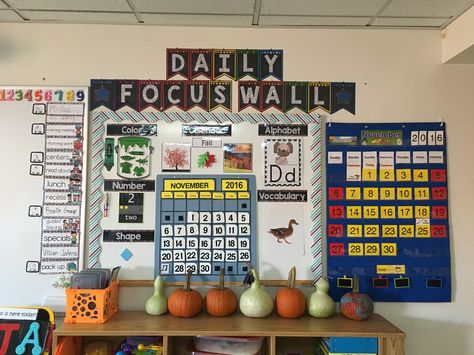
387,211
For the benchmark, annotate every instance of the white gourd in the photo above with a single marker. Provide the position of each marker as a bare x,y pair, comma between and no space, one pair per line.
320,304
256,302
157,304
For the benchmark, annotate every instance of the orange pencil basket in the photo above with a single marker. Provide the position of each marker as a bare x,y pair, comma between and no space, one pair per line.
91,306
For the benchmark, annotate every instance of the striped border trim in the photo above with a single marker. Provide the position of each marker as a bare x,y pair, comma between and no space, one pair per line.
99,118
316,232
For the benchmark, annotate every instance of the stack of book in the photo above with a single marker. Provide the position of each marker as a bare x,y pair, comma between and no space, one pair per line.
347,346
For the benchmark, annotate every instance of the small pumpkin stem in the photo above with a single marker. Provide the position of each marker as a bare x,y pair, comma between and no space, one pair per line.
292,277
356,284
187,285
221,279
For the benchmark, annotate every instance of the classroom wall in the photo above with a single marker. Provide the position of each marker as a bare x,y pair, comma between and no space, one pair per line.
399,77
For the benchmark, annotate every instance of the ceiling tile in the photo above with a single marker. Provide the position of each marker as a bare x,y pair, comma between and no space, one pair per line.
312,21
9,15
409,22
196,20
196,6
321,7
426,8
77,5
81,17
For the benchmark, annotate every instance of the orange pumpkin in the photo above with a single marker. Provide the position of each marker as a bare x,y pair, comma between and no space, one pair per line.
184,302
290,301
220,301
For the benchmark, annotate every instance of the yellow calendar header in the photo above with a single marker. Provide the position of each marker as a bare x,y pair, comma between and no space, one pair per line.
234,185
189,185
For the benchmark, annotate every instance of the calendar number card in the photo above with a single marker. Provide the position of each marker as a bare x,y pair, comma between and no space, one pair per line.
387,210
205,223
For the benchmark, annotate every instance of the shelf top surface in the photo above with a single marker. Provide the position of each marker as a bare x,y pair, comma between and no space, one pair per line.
134,323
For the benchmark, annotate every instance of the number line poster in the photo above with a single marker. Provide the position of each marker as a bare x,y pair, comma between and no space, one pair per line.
174,207
387,211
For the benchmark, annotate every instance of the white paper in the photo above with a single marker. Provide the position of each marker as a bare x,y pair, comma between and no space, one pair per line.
414,138
370,160
403,157
436,157
334,157
386,160
279,218
18,313
431,137
439,138
422,138
420,157
354,166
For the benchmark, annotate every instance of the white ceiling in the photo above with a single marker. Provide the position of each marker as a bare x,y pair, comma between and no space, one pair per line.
435,14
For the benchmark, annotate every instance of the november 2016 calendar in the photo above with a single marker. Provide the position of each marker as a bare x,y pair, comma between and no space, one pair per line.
206,223
387,210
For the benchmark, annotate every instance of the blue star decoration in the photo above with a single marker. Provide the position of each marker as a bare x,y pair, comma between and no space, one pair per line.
343,97
102,94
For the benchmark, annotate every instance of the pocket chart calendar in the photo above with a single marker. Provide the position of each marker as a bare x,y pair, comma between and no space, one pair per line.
387,211
206,223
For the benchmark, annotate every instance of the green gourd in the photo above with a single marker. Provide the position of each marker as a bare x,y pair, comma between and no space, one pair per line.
320,304
256,302
157,304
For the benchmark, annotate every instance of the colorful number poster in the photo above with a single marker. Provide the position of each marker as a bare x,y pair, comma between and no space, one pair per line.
387,211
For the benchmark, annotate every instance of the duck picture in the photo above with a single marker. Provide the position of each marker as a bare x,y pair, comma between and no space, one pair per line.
283,232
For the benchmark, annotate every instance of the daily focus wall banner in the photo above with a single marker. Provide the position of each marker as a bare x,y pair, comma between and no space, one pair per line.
387,211
163,95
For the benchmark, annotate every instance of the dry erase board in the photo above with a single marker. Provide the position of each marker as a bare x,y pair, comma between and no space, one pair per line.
179,191
43,138
387,210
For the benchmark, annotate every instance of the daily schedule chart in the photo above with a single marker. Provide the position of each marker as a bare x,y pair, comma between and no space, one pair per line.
387,210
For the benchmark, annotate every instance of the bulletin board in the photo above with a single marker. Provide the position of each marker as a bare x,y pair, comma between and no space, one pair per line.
387,210
211,191
43,136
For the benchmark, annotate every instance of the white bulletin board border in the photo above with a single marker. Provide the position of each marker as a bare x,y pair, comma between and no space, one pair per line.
99,118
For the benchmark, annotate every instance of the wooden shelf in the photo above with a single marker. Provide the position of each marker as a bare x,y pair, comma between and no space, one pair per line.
124,323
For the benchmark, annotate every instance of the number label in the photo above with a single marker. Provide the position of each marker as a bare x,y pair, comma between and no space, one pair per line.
354,212
353,193
407,231
336,193
336,212
336,249
354,230
335,230
371,249
389,231
389,249
356,249
371,230
234,185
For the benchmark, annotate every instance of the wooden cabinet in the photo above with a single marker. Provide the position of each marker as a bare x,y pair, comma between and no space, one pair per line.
277,331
